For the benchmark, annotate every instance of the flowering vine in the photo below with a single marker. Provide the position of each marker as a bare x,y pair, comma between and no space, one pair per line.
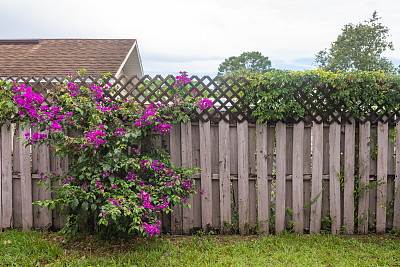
117,179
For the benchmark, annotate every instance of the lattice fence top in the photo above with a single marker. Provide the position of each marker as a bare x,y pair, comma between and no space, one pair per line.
226,93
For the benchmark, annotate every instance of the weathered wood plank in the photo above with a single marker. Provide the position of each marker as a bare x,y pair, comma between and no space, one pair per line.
6,178
289,171
243,176
206,182
349,158
280,177
224,174
252,172
316,182
44,192
396,213
307,171
187,161
196,163
373,172
334,176
17,196
364,158
263,193
390,180
297,180
271,159
382,169
175,153
325,179
216,217
26,182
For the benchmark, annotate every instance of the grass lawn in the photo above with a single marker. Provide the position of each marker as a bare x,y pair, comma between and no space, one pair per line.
50,249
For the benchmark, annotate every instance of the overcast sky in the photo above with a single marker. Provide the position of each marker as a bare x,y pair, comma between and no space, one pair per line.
197,36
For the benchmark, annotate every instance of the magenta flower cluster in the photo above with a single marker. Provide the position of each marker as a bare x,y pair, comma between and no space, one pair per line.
205,103
28,100
153,229
145,197
148,117
36,137
95,137
182,79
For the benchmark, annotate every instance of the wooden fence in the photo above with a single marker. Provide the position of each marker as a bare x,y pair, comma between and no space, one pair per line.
306,177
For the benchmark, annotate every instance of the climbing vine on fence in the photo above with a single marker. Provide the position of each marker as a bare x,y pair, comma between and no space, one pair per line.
288,95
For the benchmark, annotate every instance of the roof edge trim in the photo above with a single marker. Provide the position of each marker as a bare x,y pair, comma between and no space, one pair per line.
126,59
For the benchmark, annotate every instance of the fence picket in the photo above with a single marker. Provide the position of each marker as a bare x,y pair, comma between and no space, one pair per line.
280,177
297,180
175,152
364,158
243,176
187,161
16,183
252,173
6,179
334,176
382,169
349,158
206,182
263,194
307,171
316,180
26,182
224,174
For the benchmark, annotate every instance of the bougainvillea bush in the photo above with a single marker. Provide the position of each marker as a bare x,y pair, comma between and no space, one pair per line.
118,180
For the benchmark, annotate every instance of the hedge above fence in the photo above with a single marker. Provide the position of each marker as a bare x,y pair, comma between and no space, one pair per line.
323,96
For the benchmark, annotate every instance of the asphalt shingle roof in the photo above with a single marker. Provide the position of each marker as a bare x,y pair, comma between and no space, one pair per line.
54,57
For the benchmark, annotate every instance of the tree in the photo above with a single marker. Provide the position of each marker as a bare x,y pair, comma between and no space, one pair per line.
247,64
358,47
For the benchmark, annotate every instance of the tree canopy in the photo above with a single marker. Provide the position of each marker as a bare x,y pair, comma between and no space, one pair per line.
247,64
358,47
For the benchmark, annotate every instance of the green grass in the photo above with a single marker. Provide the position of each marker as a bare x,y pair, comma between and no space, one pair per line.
40,249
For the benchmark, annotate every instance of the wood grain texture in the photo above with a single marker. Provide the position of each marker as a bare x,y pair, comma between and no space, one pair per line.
364,161
6,178
17,196
316,182
263,194
334,177
206,182
175,153
280,177
187,161
297,180
307,171
252,173
44,192
26,182
224,174
349,159
382,169
243,176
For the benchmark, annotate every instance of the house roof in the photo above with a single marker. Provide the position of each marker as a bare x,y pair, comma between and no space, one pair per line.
55,57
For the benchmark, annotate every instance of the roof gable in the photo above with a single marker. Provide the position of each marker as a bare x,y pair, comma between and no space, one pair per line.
54,57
